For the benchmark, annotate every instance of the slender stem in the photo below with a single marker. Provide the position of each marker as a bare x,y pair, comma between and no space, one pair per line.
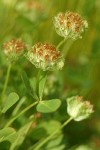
50,136
66,48
37,83
6,81
22,112
42,83
66,122
58,46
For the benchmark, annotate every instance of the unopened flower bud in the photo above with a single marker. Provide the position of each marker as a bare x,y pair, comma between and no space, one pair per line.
13,49
45,57
70,25
79,109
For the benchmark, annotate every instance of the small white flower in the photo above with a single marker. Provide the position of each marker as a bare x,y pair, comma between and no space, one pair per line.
79,109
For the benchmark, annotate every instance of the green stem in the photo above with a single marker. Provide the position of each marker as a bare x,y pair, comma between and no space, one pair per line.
50,136
6,81
37,82
22,112
58,46
42,82
66,48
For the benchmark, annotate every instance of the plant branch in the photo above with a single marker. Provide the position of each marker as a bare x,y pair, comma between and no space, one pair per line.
59,45
22,112
6,81
50,136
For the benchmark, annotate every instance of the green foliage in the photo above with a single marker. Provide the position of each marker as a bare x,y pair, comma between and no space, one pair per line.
47,128
21,134
42,81
8,134
10,101
28,85
56,143
17,108
48,106
43,96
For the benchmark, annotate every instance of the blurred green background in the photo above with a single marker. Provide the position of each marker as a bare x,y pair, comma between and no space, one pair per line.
32,20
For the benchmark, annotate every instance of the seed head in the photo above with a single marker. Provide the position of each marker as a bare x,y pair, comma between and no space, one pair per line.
79,109
45,57
14,48
70,25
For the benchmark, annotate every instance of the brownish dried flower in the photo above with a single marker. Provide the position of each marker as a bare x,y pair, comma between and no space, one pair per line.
13,48
70,25
45,57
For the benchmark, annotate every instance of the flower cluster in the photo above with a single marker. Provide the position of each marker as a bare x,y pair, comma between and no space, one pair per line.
79,109
13,49
70,25
45,57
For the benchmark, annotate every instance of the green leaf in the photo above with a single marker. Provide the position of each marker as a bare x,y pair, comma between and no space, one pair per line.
48,105
38,133
50,126
28,85
33,82
8,134
21,134
17,108
43,130
56,143
10,101
42,81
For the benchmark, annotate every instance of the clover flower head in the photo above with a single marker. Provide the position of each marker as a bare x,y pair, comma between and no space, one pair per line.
79,109
45,57
14,48
70,25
